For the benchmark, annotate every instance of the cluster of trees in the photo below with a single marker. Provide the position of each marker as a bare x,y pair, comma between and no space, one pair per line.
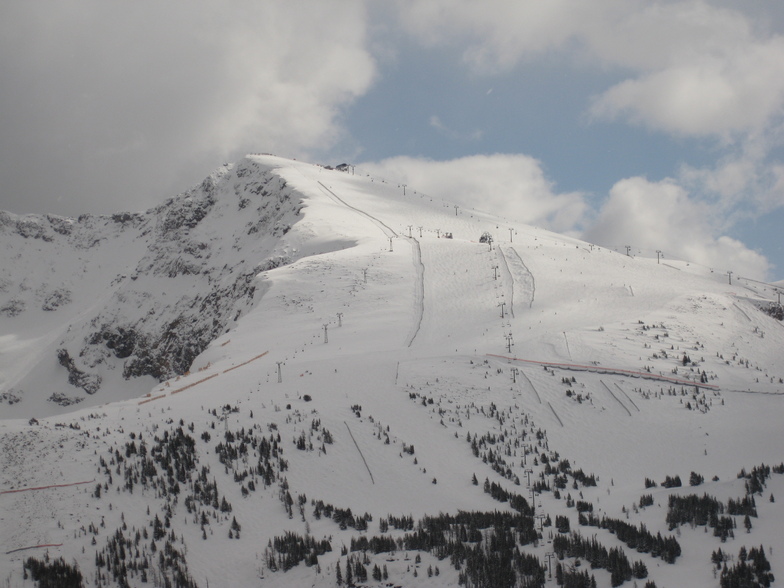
495,458
693,509
517,502
305,442
138,555
356,570
637,538
482,546
706,510
751,571
695,479
756,478
743,506
343,517
288,550
613,560
563,469
572,578
583,506
671,482
501,569
52,574
235,451
403,523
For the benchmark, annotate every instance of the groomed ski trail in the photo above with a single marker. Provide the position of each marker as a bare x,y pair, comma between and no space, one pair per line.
520,275
419,286
419,292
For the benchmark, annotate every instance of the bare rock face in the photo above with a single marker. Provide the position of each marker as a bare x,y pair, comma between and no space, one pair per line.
90,383
56,299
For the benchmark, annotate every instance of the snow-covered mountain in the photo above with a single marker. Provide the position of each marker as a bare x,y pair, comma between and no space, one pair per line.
291,366
97,309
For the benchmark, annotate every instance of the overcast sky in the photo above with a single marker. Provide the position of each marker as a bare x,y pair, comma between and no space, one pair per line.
658,125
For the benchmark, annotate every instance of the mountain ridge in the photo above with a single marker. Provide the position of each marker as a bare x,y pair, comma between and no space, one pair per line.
391,365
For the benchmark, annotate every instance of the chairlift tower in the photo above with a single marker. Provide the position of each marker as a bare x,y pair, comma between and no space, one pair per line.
549,555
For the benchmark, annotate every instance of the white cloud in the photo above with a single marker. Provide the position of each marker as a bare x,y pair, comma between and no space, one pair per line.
132,99
511,186
435,122
689,67
661,215
706,95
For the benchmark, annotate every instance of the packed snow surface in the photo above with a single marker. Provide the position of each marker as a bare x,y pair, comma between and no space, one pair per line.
368,334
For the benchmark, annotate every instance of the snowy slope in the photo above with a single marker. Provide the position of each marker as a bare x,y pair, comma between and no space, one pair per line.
108,305
367,348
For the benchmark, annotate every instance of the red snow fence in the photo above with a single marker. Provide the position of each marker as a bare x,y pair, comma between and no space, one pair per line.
608,370
246,362
196,383
46,487
34,547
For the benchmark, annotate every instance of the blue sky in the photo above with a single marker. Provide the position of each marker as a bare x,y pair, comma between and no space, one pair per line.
653,124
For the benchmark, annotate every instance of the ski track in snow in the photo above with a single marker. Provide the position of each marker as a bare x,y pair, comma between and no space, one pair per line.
527,379
627,396
618,400
521,275
508,280
428,395
419,289
381,225
419,286
360,452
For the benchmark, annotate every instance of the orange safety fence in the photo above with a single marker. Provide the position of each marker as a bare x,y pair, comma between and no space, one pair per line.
45,487
196,383
34,547
247,362
151,399
178,390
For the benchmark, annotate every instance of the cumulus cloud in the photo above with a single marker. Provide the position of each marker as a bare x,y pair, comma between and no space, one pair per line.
704,96
688,67
435,122
112,105
512,186
661,215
